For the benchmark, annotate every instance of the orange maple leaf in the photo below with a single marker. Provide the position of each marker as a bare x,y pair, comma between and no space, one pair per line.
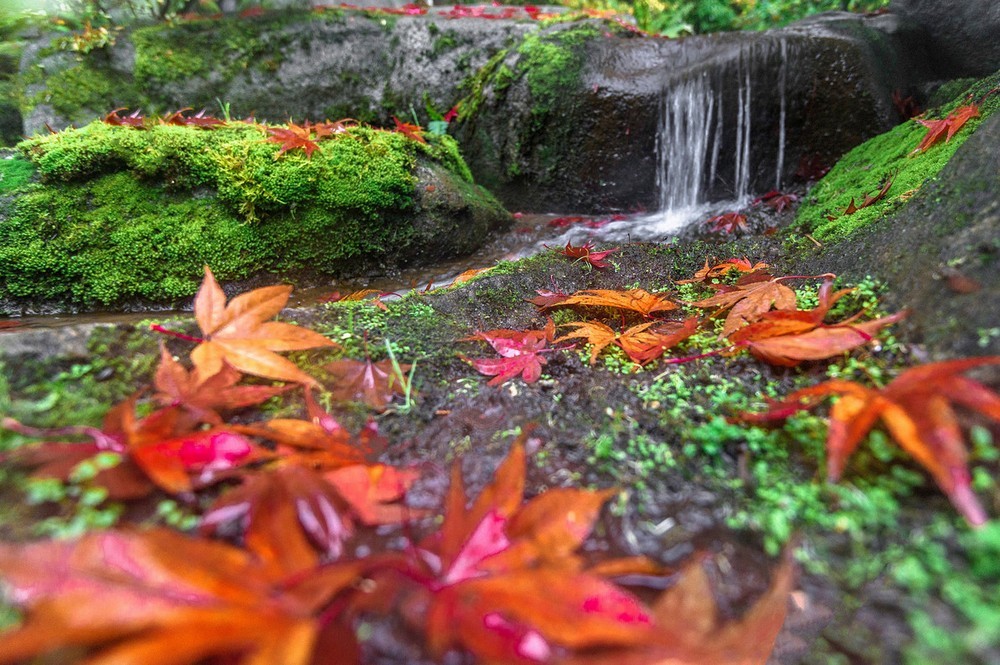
634,300
722,269
293,137
168,598
238,333
749,299
946,127
916,409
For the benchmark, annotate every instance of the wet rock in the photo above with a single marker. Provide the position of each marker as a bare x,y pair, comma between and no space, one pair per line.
289,64
961,35
940,253
588,133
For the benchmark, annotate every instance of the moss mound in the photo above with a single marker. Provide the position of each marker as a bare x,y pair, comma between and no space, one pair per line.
865,169
126,213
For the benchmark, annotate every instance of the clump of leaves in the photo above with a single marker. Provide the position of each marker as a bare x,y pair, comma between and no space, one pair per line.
776,201
916,408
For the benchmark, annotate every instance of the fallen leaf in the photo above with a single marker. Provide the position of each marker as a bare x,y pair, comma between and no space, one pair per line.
165,599
634,300
238,333
724,268
586,254
916,408
409,130
374,384
946,127
293,137
730,222
748,300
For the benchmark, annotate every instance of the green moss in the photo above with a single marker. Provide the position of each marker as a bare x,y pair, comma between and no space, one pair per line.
15,172
84,87
552,64
444,42
890,155
115,217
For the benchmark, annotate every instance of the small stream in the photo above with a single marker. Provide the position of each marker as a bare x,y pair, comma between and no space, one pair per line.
529,235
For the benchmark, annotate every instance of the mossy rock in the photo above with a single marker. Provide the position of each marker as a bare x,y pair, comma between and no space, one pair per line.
933,239
124,214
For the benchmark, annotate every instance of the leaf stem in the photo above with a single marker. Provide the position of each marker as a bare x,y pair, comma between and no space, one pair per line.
156,327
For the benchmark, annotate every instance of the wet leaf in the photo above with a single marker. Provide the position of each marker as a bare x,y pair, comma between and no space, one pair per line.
634,300
586,253
239,333
293,137
520,353
748,300
946,127
374,384
916,408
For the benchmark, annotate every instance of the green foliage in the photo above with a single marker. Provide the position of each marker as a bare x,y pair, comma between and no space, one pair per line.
889,155
551,63
15,172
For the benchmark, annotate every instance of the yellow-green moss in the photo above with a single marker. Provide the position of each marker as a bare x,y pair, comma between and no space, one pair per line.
125,213
890,155
15,172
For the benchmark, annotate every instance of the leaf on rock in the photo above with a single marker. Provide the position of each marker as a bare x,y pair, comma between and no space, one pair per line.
293,137
203,398
160,598
749,299
724,268
520,353
634,300
134,120
647,345
916,408
730,222
503,579
368,382
409,130
586,254
238,333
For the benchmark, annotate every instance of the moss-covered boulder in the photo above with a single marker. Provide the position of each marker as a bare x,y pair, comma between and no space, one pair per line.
121,213
934,238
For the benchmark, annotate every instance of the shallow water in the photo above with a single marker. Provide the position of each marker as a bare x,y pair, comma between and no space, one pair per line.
529,235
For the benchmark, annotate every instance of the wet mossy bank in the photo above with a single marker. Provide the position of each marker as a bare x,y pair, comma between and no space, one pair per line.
883,537
121,213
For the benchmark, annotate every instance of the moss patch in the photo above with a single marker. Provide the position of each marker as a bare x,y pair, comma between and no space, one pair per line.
863,170
125,213
15,172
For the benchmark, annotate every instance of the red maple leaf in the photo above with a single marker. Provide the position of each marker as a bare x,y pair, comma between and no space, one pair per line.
134,120
409,130
946,127
585,253
293,137
729,222
368,382
916,409
520,353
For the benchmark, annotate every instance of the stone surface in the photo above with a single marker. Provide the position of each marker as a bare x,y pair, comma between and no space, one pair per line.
595,146
944,241
963,35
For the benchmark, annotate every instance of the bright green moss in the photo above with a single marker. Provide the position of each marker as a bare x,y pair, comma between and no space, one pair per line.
15,172
136,213
552,63
890,155
80,88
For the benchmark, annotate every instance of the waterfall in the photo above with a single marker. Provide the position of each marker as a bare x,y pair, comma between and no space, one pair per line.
695,128
685,131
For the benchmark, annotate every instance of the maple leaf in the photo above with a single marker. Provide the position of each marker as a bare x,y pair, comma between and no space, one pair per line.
729,222
133,120
776,200
647,345
597,334
325,129
634,300
293,515
689,630
197,120
368,382
547,299
870,199
503,579
916,408
409,130
787,338
203,398
520,353
293,137
946,127
584,253
748,299
157,447
724,268
165,599
239,334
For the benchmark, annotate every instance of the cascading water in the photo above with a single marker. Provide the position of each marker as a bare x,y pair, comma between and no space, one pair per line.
697,125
